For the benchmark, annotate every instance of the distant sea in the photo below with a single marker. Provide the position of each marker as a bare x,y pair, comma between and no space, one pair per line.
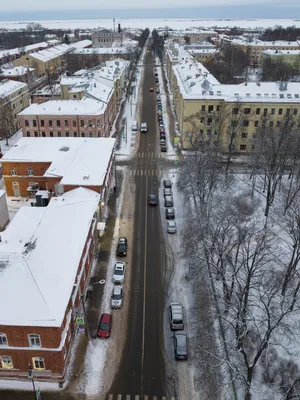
230,12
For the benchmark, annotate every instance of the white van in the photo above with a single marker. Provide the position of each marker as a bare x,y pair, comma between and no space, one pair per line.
134,126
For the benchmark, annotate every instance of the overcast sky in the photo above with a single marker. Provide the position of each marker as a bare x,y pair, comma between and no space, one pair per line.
21,5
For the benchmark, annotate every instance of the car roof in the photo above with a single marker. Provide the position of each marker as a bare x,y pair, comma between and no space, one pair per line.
181,338
144,123
122,239
119,266
117,289
105,317
172,223
170,210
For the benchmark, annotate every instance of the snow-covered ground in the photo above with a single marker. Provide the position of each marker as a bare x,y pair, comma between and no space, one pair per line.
156,23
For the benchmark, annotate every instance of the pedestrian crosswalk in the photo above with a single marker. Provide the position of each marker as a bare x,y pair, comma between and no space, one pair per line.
144,172
152,155
138,397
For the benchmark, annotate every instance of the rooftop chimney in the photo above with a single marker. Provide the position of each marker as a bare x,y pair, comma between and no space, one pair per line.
119,28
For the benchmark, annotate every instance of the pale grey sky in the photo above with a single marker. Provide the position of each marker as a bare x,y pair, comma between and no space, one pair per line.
20,5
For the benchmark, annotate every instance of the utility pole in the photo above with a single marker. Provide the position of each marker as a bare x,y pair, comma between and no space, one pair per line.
87,329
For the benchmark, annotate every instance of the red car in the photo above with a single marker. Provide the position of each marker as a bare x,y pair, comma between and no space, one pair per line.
151,90
105,326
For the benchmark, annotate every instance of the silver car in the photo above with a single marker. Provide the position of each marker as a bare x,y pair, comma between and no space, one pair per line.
119,272
180,345
117,297
171,227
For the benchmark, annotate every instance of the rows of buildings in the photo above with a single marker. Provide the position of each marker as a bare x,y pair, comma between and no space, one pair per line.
229,116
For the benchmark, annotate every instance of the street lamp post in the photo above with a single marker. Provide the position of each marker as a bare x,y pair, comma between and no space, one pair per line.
30,377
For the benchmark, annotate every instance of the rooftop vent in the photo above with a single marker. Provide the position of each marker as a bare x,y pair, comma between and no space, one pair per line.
65,148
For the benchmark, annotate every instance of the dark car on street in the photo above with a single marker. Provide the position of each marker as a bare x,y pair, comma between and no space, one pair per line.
104,328
163,148
167,183
180,345
152,200
122,247
170,214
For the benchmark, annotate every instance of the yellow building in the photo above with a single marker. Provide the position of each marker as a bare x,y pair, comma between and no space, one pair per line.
226,115
291,57
14,97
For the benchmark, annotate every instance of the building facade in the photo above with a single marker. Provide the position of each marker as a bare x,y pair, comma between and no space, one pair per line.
106,38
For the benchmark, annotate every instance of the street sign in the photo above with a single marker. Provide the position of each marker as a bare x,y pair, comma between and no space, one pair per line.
80,321
123,135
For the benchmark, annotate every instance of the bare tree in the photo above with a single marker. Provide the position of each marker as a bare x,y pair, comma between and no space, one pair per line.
7,121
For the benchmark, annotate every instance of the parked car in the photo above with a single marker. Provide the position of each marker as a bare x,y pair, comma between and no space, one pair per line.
167,183
161,125
158,98
122,247
144,127
162,142
171,227
163,137
151,90
170,213
167,192
157,91
180,345
156,74
161,131
176,315
168,201
119,272
117,297
159,112
152,200
163,148
104,327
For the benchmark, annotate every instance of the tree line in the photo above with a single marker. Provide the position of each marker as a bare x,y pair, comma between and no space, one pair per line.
291,33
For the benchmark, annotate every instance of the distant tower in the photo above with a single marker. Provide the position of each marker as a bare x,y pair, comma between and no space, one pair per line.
114,25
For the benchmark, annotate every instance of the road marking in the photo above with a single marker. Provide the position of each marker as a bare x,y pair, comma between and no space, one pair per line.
138,172
154,398
110,397
142,155
136,397
128,397
119,397
142,171
145,397
144,291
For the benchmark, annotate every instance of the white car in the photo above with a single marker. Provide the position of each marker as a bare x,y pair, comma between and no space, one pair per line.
144,127
117,297
171,226
119,272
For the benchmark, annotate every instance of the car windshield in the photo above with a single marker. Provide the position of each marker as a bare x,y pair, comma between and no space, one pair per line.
118,272
152,197
104,326
117,296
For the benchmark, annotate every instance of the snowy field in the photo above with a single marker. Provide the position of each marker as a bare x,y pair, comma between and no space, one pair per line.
156,23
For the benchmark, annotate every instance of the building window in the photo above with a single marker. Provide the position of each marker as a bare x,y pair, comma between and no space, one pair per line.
28,134
66,122
26,122
43,134
75,134
244,135
90,123
295,111
235,110
265,112
3,339
81,122
13,172
42,122
58,134
278,124
38,363
288,110
247,110
245,122
280,111
243,147
57,122
82,134
209,121
33,122
255,123
272,111
218,108
50,122
36,134
90,134
51,134
202,108
30,172
210,109
271,124
74,122
67,134
6,362
34,340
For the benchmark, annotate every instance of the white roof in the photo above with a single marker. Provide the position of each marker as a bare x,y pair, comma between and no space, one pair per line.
8,87
82,44
281,52
260,43
15,71
103,50
4,53
39,256
79,161
51,52
66,107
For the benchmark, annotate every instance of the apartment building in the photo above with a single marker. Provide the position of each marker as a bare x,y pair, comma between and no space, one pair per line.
201,103
9,55
106,37
255,48
66,118
38,323
191,35
14,97
58,165
20,74
291,57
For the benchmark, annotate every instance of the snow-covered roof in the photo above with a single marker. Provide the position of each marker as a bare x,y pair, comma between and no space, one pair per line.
53,42
82,44
103,50
259,43
203,51
281,52
80,193
26,49
8,87
40,252
79,161
66,107
15,71
49,90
